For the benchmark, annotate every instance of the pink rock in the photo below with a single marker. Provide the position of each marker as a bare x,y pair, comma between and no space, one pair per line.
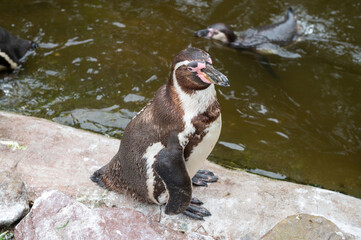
243,205
13,198
57,216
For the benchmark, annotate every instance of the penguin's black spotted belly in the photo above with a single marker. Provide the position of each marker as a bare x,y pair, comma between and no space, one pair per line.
202,142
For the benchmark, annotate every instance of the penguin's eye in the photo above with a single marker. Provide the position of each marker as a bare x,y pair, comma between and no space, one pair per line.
191,66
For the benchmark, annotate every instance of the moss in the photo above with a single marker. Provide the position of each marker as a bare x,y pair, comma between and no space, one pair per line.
64,225
14,145
96,200
183,228
7,235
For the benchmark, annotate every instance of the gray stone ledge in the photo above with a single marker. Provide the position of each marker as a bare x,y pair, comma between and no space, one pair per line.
244,206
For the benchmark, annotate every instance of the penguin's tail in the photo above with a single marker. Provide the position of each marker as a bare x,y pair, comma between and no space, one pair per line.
98,177
290,14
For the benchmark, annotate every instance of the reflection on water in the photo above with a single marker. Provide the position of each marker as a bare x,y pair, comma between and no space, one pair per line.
99,63
268,174
109,121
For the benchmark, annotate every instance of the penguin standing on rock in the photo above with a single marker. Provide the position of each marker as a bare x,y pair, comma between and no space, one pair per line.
12,49
167,142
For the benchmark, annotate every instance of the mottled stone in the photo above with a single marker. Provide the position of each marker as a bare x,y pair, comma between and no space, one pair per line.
13,198
57,216
306,227
243,205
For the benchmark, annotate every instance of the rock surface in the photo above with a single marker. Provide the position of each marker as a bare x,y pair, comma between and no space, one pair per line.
243,205
304,226
56,216
13,198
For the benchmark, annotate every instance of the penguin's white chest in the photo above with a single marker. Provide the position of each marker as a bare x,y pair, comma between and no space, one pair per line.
201,151
193,105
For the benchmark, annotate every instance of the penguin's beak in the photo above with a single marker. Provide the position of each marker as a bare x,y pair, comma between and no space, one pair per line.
205,33
214,76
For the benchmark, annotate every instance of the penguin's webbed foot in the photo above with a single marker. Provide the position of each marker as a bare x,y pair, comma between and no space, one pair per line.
196,211
203,177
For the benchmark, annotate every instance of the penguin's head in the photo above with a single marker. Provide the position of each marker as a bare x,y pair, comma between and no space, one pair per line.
192,69
218,31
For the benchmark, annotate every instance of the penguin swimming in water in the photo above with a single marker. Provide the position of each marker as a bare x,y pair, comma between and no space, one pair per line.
12,49
167,142
267,39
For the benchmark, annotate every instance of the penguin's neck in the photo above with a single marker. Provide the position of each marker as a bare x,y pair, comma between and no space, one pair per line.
192,103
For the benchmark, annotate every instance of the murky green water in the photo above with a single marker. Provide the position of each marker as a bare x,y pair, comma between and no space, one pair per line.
99,62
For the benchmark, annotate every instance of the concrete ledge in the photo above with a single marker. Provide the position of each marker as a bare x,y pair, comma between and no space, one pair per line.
244,206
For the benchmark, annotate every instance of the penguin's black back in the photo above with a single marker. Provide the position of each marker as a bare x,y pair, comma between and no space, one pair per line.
282,33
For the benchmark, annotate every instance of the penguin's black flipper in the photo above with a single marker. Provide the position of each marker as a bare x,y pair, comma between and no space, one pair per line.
260,58
203,177
263,60
170,166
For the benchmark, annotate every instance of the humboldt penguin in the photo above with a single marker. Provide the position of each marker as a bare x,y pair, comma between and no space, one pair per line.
12,50
167,142
267,39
